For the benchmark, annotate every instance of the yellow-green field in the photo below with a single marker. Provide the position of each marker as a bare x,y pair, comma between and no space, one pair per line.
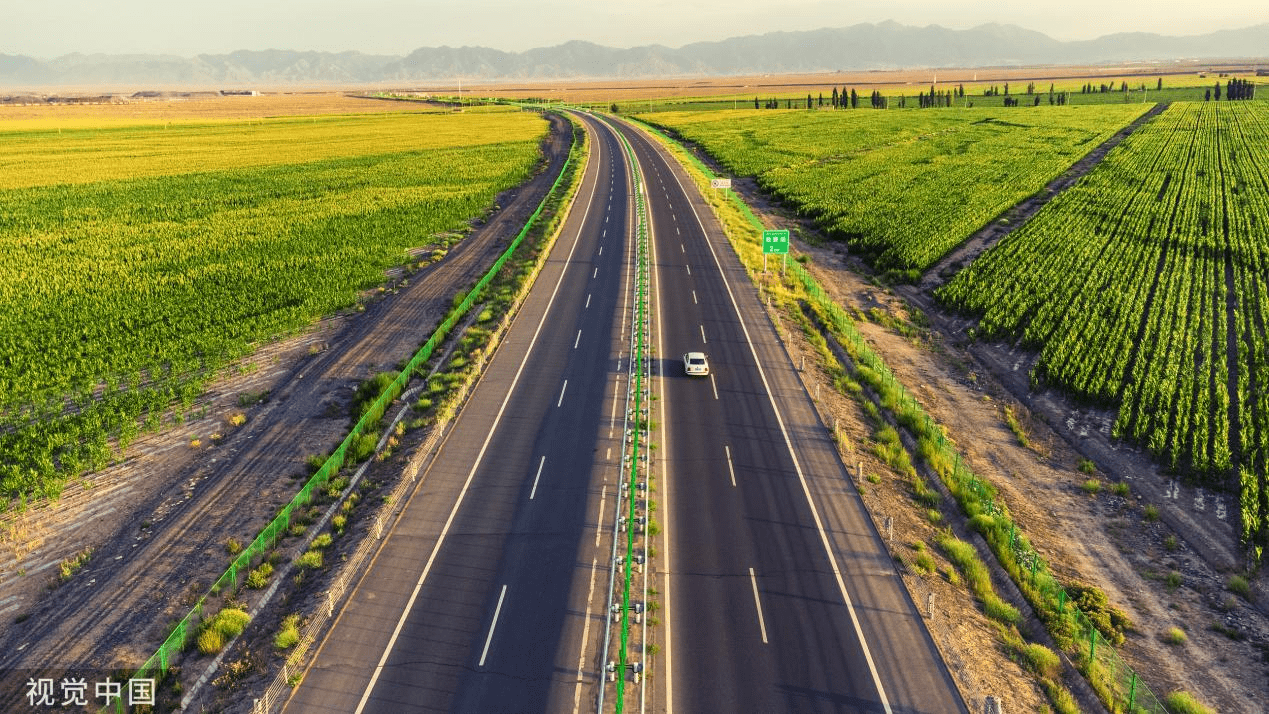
86,155
140,259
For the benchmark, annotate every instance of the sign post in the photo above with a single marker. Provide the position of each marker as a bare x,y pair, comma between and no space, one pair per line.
775,243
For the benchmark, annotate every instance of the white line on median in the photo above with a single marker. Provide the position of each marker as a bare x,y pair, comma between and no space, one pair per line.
730,470
599,525
762,624
534,492
498,610
561,401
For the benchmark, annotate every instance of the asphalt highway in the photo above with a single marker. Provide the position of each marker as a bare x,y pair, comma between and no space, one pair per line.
488,593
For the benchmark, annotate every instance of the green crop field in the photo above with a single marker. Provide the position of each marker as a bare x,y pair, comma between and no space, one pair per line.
1145,286
138,260
902,187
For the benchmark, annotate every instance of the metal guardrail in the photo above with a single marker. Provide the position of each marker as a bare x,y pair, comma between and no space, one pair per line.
633,477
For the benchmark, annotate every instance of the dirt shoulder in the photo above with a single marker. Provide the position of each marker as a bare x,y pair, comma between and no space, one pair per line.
157,523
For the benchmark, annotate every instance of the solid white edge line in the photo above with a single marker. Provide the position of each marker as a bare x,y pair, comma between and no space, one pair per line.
534,492
762,624
806,489
494,623
396,632
562,388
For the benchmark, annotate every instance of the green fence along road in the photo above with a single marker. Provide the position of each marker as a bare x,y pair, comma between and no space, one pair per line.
1076,633
161,661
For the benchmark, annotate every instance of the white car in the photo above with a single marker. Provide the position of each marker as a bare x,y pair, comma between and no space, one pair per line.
696,364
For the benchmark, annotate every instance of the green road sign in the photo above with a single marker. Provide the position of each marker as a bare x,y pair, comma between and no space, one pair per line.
775,242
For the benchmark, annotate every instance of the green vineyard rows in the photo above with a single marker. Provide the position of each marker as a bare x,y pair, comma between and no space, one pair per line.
901,187
119,299
1144,286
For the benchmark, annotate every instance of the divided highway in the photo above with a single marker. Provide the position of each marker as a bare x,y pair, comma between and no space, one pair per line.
489,592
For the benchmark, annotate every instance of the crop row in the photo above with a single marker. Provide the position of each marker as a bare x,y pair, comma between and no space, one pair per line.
1144,286
119,299
902,188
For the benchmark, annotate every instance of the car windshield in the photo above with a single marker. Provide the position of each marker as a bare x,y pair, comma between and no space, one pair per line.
696,360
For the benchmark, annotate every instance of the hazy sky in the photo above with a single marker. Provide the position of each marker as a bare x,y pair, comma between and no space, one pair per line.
49,28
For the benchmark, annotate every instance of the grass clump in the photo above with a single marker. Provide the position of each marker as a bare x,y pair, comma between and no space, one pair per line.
1238,585
289,634
73,564
1151,514
1110,621
1173,580
1182,702
224,626
233,546
311,560
966,559
1016,427
258,578
1041,660
1092,486
1086,466
1174,636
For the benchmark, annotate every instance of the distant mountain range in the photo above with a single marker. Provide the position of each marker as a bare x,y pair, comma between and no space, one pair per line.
888,45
